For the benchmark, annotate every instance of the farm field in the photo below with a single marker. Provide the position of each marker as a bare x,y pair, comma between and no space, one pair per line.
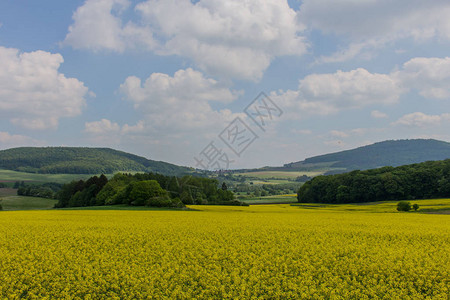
26,203
280,174
289,198
270,181
7,192
12,176
425,206
263,251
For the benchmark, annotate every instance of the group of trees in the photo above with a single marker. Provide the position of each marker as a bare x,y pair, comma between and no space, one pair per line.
46,190
261,190
417,181
145,189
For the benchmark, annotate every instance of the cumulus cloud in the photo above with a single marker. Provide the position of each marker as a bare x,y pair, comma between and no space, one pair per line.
325,94
33,93
180,102
98,26
232,39
430,76
419,119
371,24
349,89
178,115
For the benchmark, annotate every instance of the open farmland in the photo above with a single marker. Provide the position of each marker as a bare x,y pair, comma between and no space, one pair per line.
280,174
265,251
289,198
12,176
26,203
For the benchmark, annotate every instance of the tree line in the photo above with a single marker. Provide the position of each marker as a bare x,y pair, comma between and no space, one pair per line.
417,181
46,190
141,189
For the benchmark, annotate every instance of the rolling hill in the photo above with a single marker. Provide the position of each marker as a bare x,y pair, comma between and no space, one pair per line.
388,153
81,160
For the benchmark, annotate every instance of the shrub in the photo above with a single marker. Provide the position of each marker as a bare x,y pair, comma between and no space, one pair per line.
404,206
415,206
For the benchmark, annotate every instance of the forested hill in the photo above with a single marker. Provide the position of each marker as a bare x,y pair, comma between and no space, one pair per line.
80,160
387,153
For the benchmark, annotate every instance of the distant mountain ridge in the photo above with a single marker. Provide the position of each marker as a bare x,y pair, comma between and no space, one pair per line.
81,160
388,153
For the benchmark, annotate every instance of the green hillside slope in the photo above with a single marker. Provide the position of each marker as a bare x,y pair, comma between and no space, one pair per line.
77,160
387,153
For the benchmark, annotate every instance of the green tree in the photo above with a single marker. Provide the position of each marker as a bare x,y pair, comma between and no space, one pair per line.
67,192
140,192
224,186
404,206
343,194
186,197
415,206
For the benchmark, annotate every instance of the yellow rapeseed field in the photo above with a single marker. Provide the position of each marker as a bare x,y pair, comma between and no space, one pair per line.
260,252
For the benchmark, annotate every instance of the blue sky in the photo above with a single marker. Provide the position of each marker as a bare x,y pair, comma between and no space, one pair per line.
163,79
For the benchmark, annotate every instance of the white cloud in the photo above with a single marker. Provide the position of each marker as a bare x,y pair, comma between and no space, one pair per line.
378,114
231,39
419,119
370,24
430,76
181,102
98,25
101,127
139,127
8,140
105,127
350,89
33,94
178,116
325,94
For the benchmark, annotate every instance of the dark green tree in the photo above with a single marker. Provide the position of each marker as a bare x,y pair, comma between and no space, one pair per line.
404,206
140,192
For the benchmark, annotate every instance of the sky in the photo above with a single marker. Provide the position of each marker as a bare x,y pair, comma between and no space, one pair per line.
223,84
